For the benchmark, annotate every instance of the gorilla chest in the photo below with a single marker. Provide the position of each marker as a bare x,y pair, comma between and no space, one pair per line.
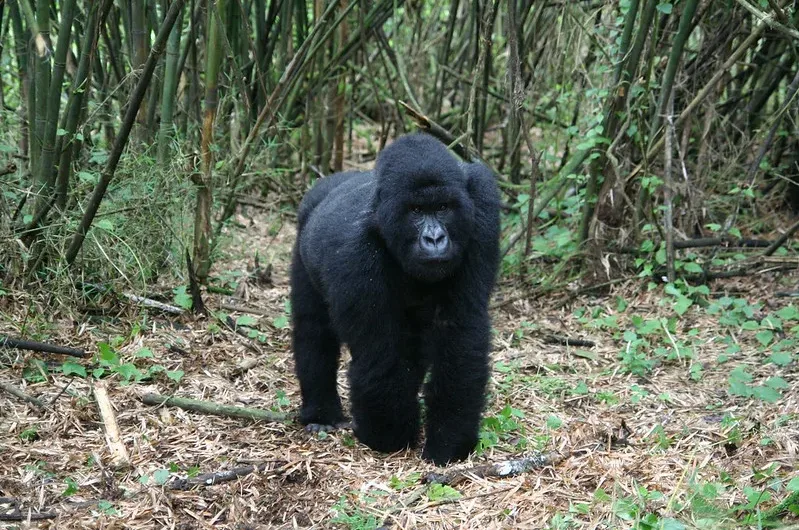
425,310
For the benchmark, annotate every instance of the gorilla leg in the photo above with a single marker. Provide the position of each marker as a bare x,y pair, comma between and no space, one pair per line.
316,353
384,388
455,394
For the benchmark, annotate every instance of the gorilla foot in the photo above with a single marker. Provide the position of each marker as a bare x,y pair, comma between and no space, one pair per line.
316,428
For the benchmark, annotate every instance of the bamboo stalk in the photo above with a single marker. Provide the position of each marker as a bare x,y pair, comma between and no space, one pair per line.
167,127
134,102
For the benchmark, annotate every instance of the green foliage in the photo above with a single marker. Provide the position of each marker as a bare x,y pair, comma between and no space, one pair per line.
501,428
400,484
440,492
182,298
72,487
353,517
29,435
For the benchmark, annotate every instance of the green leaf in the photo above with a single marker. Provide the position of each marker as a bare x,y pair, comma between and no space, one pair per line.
108,356
660,255
665,8
90,178
128,371
72,487
107,508
692,267
71,367
793,484
281,322
670,524
60,132
788,313
767,394
105,224
438,492
553,422
175,375
682,304
246,320
777,382
161,476
781,358
181,297
765,337
144,353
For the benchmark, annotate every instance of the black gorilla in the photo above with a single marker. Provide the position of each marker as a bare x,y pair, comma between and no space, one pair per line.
398,263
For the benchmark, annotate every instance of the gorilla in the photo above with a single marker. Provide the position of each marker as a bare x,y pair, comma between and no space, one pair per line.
398,263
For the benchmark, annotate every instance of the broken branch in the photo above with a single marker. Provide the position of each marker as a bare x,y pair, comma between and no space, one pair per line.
215,409
32,345
508,468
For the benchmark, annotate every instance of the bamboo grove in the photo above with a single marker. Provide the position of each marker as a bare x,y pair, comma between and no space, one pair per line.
130,130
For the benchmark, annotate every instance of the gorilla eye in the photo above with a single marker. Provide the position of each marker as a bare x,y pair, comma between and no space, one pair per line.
416,209
443,207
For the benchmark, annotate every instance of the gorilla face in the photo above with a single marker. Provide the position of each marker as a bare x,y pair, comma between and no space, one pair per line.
424,212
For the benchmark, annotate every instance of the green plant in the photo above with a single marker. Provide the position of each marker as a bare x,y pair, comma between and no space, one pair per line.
352,517
501,427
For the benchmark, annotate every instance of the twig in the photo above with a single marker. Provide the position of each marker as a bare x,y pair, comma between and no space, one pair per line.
23,516
18,392
768,19
568,341
20,344
209,479
702,242
242,309
215,409
154,304
782,239
507,468
239,330
55,398
434,129
113,439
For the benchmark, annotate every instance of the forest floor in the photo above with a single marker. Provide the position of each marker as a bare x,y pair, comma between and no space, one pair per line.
639,451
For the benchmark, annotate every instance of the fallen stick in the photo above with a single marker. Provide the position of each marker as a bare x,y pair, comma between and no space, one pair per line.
508,468
568,341
25,516
154,304
215,409
32,345
113,439
209,479
241,309
18,392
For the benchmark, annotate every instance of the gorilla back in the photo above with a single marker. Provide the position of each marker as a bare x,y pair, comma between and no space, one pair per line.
398,263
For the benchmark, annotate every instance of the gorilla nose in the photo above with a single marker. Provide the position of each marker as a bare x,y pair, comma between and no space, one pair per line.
434,241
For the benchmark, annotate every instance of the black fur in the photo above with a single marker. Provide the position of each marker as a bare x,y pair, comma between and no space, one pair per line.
358,278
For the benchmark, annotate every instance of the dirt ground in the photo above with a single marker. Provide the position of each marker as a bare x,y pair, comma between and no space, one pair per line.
631,445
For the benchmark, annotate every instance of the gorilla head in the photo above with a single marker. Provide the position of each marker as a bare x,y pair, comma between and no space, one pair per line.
423,209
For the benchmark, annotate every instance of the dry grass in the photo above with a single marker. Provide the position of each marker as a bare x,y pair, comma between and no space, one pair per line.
614,442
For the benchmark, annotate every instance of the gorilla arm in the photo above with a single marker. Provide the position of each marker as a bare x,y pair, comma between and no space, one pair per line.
386,372
460,365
